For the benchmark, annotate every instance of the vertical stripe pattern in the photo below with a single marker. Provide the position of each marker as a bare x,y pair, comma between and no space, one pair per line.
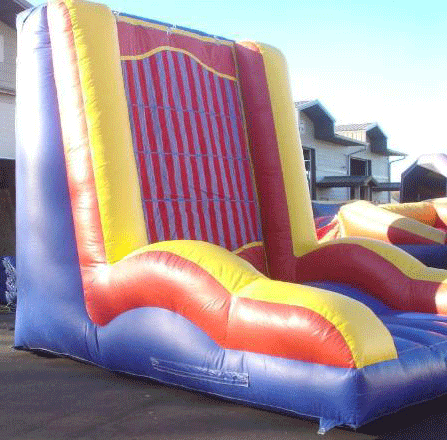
191,151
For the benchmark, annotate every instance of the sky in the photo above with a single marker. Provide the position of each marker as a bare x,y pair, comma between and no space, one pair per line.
381,61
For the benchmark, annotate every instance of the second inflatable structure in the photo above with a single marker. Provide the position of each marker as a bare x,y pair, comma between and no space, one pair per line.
419,228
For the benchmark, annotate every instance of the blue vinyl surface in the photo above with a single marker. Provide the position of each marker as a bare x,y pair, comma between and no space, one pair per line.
160,344
434,255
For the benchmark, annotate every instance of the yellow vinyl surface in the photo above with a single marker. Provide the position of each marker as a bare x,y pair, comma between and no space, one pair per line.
115,172
303,232
352,319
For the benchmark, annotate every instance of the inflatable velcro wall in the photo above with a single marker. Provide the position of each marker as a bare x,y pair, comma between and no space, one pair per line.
164,228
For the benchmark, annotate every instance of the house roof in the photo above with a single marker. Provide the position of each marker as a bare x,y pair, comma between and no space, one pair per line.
387,186
378,139
353,181
435,163
324,123
354,127
9,10
346,181
429,171
395,153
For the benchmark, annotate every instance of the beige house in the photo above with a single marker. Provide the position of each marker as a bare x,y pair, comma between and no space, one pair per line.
8,52
344,162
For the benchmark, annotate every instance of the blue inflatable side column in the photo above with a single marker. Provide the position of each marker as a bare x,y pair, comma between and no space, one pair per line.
50,311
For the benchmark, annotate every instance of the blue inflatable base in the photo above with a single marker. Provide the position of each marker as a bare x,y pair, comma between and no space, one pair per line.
431,255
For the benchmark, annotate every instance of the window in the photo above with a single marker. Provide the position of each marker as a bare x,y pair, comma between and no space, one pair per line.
310,165
360,167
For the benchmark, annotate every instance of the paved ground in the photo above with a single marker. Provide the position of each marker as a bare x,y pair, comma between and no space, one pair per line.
44,397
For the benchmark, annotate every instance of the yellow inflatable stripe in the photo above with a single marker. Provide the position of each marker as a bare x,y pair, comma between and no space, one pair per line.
423,212
366,336
420,229
408,265
356,322
365,216
230,270
116,178
440,206
173,30
175,49
248,246
304,237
